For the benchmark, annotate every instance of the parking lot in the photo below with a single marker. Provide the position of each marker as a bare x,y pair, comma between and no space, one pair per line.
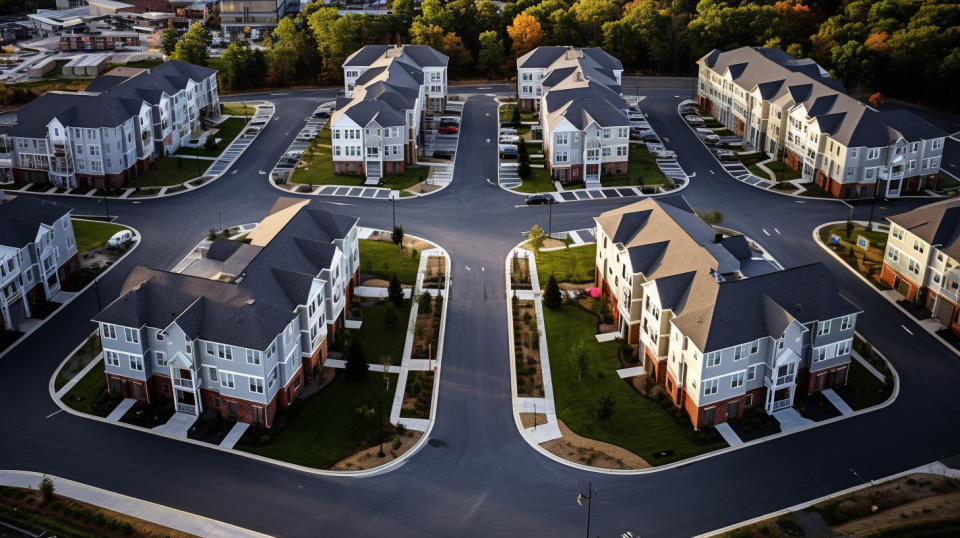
260,118
313,125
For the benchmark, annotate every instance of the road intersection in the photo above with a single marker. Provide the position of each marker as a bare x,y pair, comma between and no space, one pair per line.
477,476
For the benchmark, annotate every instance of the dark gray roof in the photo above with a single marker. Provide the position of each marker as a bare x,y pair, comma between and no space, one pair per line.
673,290
221,249
425,56
421,55
737,246
583,104
630,224
937,224
21,217
541,57
645,258
365,55
752,308
367,110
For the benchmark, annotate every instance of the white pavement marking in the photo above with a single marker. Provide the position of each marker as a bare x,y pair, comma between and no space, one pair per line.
712,172
728,434
765,232
54,413
473,508
467,266
906,329
777,230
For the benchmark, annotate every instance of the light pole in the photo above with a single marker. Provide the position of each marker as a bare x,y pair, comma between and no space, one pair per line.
393,202
589,497
220,219
550,218
106,205
383,388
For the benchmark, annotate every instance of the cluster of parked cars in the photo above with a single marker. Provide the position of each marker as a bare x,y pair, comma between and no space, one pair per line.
449,125
507,143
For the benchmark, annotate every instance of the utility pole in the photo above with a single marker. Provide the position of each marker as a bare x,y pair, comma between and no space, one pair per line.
589,497
96,290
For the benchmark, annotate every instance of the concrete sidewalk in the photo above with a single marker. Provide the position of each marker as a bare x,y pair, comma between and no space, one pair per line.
121,409
147,511
728,434
837,402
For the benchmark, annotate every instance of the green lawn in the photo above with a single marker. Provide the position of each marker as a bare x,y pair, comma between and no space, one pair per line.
638,424
539,181
506,114
783,172
750,159
168,171
379,340
410,177
333,424
759,172
91,348
228,130
864,389
91,234
239,109
383,260
319,165
643,170
723,131
90,395
574,264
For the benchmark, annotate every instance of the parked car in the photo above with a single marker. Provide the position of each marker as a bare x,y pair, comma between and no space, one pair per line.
443,153
640,125
635,116
539,199
120,238
509,139
450,119
652,137
693,119
724,154
637,133
664,154
507,151
507,131
448,128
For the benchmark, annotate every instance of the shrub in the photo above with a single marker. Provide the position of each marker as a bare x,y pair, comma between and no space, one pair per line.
46,489
396,441
390,316
604,407
552,297
356,367
395,292
425,303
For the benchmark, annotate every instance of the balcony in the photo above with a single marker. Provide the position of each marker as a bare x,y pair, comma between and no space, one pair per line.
780,404
186,408
184,383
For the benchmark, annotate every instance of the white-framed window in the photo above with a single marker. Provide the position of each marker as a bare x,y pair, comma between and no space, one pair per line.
562,139
824,327
607,133
893,254
256,385
160,358
897,232
271,350
752,372
605,151
843,348
136,363
560,157
819,353
227,380
224,352
621,151
253,357
131,335
846,322
873,153
111,358
160,336
272,378
210,349
109,331
913,266
710,387
623,132
736,380
936,144
212,374
754,347
918,246
712,359
739,352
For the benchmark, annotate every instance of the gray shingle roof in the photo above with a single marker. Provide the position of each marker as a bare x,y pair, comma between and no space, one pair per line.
937,224
21,217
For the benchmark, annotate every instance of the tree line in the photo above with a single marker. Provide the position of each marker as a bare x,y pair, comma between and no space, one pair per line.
904,48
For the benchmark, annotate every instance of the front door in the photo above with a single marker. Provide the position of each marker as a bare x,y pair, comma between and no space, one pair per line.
733,410
708,416
232,409
257,415
117,386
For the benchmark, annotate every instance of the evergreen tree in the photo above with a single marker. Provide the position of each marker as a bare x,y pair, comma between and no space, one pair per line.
552,297
356,367
395,292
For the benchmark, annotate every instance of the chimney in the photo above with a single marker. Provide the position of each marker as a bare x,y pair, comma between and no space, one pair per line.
717,237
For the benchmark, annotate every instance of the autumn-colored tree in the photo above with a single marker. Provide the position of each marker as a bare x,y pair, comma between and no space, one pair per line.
526,34
430,35
877,99
878,42
453,47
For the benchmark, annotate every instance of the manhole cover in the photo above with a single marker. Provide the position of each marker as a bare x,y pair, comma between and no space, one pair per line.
436,443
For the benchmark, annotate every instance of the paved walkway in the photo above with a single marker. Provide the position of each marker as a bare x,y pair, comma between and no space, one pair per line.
790,419
607,337
178,425
154,513
76,379
630,372
121,409
869,367
728,434
234,435
378,293
352,323
838,402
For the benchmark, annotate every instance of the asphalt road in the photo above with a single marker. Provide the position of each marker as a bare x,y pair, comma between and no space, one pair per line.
478,477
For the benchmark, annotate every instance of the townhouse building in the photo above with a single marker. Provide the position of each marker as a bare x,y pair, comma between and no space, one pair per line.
376,128
720,340
586,132
792,110
108,133
922,259
38,252
240,331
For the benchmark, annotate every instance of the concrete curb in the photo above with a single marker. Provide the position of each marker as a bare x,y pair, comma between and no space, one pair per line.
145,510
816,239
386,467
136,244
687,461
932,468
162,193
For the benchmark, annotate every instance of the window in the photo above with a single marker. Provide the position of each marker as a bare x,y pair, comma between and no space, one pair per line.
754,347
227,380
256,385
712,359
272,379
819,353
561,157
893,254
271,350
710,387
109,331
224,352
918,246
253,357
131,335
111,358
752,372
160,337
824,327
607,133
562,139
936,144
736,380
160,358
136,363
914,266
212,374
897,232
210,349
621,151
739,352
843,348
873,153
623,132
846,322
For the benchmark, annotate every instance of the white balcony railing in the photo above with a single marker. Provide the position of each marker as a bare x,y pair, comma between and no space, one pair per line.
781,404
183,383
186,408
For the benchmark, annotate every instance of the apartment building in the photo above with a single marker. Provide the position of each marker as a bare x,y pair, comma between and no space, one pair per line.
240,330
586,131
260,16
922,260
38,252
719,339
375,129
792,110
108,133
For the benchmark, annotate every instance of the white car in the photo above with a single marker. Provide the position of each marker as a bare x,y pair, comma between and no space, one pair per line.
120,238
636,116
693,119
507,131
509,139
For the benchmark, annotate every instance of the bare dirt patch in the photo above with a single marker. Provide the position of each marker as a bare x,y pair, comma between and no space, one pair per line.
526,340
368,459
527,421
408,242
423,188
573,447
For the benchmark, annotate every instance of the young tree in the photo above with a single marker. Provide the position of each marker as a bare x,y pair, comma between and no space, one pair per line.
357,366
536,236
551,296
168,40
523,170
580,353
395,292
522,154
605,408
397,237
46,489
567,241
192,47
425,304
430,35
390,316
526,34
492,53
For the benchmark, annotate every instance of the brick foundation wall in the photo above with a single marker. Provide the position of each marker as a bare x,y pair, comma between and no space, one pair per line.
829,378
217,402
128,387
348,167
615,168
889,277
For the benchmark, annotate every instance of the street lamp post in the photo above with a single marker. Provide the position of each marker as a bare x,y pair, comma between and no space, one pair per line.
383,388
106,204
589,497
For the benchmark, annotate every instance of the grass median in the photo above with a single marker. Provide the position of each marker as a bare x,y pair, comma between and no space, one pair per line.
383,260
573,264
92,234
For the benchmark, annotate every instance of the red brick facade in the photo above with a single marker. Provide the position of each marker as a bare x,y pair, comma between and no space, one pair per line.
897,281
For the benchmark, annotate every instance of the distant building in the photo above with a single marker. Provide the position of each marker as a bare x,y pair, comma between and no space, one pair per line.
38,252
243,329
720,340
257,15
792,110
922,260
111,131
88,42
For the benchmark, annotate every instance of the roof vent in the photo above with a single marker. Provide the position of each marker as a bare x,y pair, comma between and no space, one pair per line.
250,301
